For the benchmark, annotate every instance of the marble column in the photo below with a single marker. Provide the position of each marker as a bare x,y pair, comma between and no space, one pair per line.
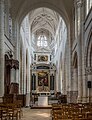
1,48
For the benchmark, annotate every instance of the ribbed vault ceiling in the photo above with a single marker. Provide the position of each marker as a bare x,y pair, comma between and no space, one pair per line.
20,8
44,20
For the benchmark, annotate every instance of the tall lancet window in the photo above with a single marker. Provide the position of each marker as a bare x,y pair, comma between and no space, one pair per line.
89,5
42,41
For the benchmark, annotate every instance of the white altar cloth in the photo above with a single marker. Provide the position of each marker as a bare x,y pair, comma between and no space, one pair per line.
42,100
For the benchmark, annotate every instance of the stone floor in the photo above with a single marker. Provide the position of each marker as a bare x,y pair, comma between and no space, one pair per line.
36,114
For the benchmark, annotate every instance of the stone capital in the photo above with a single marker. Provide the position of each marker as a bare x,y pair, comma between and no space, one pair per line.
78,3
88,70
12,63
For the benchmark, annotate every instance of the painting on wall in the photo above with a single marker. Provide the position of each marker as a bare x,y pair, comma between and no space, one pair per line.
42,78
42,58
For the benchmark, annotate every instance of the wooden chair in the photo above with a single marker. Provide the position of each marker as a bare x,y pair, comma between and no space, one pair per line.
20,112
3,112
12,111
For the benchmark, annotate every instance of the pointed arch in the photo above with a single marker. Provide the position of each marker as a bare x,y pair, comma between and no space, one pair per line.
89,50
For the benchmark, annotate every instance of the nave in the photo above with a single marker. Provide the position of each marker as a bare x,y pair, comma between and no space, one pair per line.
36,114
45,53
71,111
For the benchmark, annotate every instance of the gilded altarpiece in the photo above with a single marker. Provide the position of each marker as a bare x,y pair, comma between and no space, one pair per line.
42,74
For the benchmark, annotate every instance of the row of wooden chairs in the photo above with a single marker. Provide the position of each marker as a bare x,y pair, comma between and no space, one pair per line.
11,111
78,111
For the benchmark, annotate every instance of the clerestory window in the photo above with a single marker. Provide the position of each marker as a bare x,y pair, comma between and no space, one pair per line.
42,41
89,4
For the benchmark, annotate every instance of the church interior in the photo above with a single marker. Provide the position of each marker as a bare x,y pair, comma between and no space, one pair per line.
46,59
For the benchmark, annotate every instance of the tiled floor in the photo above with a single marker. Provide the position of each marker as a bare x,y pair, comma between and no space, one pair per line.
36,114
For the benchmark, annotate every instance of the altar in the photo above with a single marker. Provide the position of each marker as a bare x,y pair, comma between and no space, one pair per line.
42,100
43,93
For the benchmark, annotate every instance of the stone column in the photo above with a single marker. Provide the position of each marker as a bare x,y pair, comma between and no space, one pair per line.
59,78
13,75
79,48
75,85
16,42
75,20
67,69
24,71
19,70
69,61
13,31
89,90
56,85
1,48
6,5
84,79
17,51
17,76
28,82
84,98
63,89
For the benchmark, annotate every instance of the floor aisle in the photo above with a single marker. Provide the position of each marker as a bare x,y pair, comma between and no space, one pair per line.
36,114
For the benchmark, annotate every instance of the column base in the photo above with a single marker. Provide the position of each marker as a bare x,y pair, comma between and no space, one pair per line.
84,99
1,99
27,99
79,100
90,99
72,96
